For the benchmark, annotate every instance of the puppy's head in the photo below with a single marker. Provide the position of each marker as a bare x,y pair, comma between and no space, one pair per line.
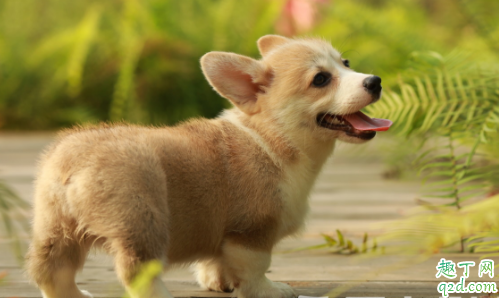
303,85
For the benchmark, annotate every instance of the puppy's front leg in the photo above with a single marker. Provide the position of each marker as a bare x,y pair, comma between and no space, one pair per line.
211,274
247,268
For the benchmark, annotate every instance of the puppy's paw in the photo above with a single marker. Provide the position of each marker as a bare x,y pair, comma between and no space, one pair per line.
268,289
210,276
76,293
86,294
214,283
280,289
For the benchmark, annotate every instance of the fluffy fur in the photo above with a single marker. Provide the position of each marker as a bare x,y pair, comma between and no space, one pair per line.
218,192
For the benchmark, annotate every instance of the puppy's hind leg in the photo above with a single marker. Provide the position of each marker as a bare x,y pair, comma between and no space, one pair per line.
130,260
139,236
53,262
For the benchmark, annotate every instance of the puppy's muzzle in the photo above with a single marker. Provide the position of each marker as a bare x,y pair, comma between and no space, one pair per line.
372,85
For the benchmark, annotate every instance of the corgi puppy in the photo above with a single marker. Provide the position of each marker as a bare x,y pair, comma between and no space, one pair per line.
216,193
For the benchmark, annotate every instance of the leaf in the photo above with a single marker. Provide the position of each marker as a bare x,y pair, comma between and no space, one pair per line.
83,37
329,240
349,245
9,203
435,165
364,243
131,44
141,284
341,239
485,243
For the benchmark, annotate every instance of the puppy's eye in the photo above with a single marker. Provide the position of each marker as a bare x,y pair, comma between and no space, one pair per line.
346,63
321,79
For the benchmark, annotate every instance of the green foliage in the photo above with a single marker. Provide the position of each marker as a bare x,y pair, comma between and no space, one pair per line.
442,230
446,114
13,216
141,285
85,61
443,94
450,105
344,246
65,62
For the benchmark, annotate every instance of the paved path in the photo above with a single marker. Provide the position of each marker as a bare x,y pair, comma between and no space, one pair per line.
350,195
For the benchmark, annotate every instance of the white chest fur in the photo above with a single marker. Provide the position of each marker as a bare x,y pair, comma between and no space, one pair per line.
298,180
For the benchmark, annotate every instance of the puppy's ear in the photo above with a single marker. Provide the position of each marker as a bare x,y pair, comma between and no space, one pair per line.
269,42
237,78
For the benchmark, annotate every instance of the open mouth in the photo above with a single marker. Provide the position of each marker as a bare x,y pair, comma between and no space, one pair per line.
357,125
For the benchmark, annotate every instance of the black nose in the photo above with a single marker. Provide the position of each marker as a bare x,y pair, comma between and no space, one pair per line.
372,85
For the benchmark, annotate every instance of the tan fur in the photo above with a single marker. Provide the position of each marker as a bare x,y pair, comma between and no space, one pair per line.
270,42
222,192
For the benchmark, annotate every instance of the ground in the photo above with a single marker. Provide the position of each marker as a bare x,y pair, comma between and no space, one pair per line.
350,195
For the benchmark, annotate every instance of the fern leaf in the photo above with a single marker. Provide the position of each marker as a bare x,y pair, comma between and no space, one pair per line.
84,36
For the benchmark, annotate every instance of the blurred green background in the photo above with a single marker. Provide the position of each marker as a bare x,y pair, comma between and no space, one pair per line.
65,62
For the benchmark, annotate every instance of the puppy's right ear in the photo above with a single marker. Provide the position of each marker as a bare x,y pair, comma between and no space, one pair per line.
269,42
237,78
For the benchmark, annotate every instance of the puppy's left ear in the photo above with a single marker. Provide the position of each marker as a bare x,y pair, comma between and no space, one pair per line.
238,78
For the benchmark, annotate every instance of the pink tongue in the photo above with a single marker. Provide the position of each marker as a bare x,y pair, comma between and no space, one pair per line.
361,121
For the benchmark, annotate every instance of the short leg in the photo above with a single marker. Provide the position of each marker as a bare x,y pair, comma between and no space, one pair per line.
129,261
157,289
247,269
211,275
53,264
63,285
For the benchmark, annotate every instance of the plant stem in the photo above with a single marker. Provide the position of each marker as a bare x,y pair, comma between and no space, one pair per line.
454,169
